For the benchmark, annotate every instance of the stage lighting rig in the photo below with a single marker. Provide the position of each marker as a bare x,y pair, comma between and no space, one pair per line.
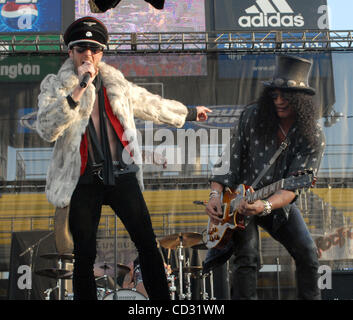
100,6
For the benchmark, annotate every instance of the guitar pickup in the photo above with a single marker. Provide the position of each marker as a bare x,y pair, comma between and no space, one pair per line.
231,208
213,230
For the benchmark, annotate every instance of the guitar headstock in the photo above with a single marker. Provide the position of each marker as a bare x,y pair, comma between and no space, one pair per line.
299,180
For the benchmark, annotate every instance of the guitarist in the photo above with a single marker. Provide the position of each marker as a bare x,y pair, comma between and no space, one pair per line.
285,109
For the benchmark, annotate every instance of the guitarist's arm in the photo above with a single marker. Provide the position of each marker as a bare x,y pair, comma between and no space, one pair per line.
213,207
278,200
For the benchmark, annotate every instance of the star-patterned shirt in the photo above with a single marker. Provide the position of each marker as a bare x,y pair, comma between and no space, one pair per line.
248,154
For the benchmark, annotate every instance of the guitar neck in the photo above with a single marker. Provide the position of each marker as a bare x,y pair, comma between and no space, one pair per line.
264,192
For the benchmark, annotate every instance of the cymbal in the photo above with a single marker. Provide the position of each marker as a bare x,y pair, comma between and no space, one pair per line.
101,269
200,246
55,273
188,239
56,256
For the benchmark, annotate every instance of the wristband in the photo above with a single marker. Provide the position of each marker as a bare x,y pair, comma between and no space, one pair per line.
267,209
72,103
214,194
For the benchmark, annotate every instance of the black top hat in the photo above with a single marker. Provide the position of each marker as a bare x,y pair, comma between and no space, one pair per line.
291,73
86,29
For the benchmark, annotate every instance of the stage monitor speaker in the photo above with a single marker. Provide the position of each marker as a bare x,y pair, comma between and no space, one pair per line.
43,243
342,286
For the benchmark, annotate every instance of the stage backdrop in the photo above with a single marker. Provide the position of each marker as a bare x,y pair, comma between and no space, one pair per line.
225,83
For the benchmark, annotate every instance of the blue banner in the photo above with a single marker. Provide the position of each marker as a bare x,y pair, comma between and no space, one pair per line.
233,66
30,16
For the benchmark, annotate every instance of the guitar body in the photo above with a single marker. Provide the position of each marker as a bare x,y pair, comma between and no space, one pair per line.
218,235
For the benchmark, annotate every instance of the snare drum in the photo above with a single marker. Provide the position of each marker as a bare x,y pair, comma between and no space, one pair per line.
125,294
101,293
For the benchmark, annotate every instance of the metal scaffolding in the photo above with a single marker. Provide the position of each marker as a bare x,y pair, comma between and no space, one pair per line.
235,41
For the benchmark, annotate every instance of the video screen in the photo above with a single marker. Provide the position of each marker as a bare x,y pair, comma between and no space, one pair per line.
166,65
139,16
31,16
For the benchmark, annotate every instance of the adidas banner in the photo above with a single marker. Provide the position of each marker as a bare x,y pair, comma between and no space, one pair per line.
270,14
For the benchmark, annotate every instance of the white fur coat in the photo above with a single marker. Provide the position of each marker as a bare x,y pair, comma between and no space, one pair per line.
56,121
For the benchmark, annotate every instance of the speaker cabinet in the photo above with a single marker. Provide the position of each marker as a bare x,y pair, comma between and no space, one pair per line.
342,286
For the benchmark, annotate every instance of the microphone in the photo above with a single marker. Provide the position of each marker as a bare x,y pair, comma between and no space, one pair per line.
85,80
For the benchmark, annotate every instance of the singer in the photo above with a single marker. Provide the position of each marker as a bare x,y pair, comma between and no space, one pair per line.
96,159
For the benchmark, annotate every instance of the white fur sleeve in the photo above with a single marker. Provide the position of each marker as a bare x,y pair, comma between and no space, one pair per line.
152,107
54,114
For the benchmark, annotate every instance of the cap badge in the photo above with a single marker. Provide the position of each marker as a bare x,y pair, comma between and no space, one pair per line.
89,23
89,34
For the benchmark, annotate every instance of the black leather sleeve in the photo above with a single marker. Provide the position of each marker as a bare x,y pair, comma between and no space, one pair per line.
192,114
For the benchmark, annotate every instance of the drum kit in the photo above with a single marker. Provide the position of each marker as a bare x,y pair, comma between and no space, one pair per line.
179,278
184,272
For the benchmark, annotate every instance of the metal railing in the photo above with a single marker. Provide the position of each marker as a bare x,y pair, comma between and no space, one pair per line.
162,223
305,40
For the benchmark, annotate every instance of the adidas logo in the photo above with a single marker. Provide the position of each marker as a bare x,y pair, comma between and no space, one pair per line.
270,13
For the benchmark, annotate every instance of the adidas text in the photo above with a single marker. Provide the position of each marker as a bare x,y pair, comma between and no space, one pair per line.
273,20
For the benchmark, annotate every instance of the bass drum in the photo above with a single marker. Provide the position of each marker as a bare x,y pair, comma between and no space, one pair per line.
125,294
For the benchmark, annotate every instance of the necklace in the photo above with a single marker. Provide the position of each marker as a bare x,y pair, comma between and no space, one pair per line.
283,132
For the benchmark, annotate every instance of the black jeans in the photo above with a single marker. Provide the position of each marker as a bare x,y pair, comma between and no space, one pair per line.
127,201
293,234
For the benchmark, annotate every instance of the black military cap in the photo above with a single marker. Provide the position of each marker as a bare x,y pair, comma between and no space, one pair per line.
86,30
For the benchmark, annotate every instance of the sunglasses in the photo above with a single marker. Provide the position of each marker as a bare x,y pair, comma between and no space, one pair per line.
94,50
275,95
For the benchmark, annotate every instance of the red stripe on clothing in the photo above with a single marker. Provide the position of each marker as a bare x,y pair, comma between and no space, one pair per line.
119,130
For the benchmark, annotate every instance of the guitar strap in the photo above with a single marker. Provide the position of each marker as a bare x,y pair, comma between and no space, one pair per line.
282,147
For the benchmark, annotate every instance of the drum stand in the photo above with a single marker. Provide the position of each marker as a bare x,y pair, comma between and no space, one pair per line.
204,294
58,285
105,279
188,286
115,297
172,287
211,286
50,290
181,259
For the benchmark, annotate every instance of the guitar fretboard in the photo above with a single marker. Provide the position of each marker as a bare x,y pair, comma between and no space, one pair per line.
265,192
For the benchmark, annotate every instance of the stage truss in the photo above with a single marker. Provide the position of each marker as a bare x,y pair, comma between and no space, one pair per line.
235,41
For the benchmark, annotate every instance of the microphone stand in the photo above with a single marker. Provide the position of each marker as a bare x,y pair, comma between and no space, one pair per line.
31,264
115,257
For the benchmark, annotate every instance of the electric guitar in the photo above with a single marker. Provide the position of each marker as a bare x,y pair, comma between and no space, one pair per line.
219,235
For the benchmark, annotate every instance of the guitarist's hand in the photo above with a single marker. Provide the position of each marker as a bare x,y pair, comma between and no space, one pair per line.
214,211
250,209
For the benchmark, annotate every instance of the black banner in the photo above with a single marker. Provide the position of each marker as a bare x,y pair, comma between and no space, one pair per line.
24,283
270,14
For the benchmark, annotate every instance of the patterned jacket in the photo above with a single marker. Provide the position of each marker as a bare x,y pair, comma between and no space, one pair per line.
57,122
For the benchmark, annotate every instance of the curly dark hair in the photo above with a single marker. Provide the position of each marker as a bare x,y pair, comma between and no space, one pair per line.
307,114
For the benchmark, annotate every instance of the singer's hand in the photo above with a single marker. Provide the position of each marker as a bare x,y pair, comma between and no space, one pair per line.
84,68
87,67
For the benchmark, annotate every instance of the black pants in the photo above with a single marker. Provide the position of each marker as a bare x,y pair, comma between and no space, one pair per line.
293,234
127,201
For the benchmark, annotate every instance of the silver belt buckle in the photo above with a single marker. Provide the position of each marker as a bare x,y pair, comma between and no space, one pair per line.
99,174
